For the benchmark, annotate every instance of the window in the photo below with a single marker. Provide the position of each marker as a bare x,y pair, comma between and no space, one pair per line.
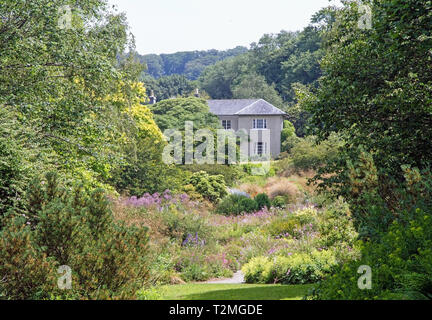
260,123
226,124
260,148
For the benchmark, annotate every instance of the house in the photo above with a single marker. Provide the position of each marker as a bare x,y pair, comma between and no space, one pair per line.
252,115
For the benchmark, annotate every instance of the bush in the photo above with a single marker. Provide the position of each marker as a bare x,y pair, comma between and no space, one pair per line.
17,162
401,264
258,169
299,268
197,264
282,226
212,188
262,201
236,204
279,202
230,173
153,293
179,225
336,226
74,228
306,154
289,143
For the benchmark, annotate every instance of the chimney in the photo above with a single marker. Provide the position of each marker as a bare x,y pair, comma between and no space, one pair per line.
197,93
152,97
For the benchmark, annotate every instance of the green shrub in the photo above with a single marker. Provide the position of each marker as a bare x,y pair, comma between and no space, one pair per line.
75,228
259,169
336,226
212,188
26,271
279,202
282,225
198,264
248,205
289,143
401,264
16,160
288,130
153,293
299,268
179,225
231,173
306,154
236,204
262,201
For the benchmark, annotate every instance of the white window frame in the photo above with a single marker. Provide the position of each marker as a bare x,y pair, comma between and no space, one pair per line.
263,148
259,123
226,124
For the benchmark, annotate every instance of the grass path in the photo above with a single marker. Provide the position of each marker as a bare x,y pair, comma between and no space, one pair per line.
234,292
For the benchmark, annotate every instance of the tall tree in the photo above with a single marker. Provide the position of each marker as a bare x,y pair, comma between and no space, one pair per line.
377,83
255,86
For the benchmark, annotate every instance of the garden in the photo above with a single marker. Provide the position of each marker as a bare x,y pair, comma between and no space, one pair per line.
89,209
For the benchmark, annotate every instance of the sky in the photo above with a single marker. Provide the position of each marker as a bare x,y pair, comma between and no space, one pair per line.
168,26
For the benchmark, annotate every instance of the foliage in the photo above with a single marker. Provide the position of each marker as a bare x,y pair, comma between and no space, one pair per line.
142,143
377,88
307,154
278,202
282,226
236,204
254,86
262,201
400,263
74,228
212,188
173,113
74,99
153,293
168,87
299,268
183,244
196,265
188,64
15,161
288,130
231,173
56,80
218,79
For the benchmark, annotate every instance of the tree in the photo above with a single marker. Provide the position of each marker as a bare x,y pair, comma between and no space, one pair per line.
189,64
56,77
141,143
217,80
168,87
288,130
173,113
377,87
254,86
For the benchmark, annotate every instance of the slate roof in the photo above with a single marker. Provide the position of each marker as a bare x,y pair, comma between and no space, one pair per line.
243,107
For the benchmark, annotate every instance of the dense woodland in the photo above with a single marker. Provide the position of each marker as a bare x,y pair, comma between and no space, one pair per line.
83,184
190,64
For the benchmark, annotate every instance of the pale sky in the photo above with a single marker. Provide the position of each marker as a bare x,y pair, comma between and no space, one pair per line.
167,26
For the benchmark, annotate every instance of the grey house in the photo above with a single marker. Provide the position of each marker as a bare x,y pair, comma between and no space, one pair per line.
255,116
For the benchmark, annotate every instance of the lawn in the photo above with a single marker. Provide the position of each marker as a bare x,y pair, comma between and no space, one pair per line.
235,292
